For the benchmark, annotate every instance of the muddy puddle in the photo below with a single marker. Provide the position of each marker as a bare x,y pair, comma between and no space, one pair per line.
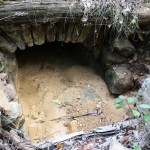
59,96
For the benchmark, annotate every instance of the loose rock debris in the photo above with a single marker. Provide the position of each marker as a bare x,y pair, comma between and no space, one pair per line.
120,135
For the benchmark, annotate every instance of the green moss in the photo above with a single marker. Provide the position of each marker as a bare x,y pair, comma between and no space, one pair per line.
1,1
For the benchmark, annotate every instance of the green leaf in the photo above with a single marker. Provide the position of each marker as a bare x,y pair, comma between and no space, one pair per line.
137,147
120,106
122,97
136,113
133,21
118,101
145,106
131,99
146,118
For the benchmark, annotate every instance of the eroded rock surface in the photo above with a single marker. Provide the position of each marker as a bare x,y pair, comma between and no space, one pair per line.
9,107
13,33
111,57
123,46
38,31
26,32
7,45
118,79
143,97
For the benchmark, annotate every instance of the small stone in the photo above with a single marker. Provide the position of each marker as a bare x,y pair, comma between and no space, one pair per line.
72,126
59,146
78,110
131,61
80,125
78,97
98,106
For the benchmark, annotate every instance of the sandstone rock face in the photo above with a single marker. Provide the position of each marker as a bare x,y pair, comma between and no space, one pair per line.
123,46
38,31
50,33
91,39
27,35
11,110
60,30
69,33
9,107
13,33
119,80
7,45
84,33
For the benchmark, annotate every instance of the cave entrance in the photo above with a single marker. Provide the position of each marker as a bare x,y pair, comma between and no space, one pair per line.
60,92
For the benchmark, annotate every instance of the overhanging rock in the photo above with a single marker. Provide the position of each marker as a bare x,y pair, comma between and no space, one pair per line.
54,11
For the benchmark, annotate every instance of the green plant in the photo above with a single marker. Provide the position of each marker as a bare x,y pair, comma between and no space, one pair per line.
117,14
136,146
124,102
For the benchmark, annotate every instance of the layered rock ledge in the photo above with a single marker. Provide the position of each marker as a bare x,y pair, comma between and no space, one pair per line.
53,11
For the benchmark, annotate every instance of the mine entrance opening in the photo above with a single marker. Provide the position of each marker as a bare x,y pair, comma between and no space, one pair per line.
60,92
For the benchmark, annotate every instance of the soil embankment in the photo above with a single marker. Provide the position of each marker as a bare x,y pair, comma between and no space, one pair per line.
51,85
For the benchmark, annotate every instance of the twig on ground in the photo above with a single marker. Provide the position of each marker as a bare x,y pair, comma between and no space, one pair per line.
73,117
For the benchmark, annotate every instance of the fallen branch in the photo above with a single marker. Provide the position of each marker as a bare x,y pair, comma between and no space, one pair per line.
104,134
74,117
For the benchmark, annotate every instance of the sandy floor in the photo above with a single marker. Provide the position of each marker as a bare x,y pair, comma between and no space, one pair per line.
52,86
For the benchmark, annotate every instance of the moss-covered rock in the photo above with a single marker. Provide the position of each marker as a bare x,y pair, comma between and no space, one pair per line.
123,46
13,33
109,57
